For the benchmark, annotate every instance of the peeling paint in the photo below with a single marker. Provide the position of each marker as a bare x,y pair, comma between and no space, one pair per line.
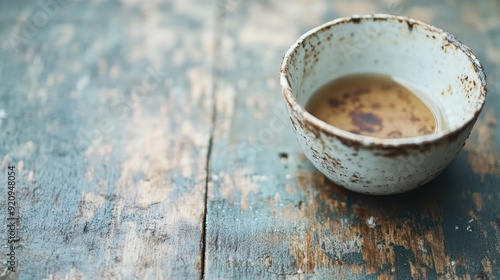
481,147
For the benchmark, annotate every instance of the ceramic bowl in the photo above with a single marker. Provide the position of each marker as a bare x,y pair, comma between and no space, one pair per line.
406,49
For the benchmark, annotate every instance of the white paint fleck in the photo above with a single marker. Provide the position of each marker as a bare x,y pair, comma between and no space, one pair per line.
335,246
288,176
83,83
452,263
372,222
29,179
259,178
456,227
3,114
470,221
299,271
469,228
421,246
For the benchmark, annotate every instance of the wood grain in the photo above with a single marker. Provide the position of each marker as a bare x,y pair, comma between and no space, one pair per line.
99,121
272,215
114,111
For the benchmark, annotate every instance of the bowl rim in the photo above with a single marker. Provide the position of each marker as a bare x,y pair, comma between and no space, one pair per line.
368,141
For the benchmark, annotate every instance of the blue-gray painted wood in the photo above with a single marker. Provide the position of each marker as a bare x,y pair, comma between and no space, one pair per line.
271,215
96,104
111,111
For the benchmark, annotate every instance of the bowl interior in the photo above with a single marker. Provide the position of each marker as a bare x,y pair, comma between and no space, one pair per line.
421,57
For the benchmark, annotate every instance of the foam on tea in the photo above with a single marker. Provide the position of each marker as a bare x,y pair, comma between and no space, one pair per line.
373,105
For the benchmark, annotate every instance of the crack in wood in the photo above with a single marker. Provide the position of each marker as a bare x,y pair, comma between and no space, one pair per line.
218,30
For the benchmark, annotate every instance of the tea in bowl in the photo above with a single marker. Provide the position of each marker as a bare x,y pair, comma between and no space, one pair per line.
381,104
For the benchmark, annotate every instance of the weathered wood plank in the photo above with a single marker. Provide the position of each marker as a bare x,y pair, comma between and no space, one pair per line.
270,214
112,176
106,114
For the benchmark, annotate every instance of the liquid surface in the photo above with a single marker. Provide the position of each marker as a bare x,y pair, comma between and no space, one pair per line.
373,105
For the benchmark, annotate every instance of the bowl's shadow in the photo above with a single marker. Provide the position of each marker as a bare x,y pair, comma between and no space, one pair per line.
413,203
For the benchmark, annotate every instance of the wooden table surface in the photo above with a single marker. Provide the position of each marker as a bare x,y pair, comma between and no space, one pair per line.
150,141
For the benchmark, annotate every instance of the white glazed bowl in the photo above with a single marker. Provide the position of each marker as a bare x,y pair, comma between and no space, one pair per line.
449,72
